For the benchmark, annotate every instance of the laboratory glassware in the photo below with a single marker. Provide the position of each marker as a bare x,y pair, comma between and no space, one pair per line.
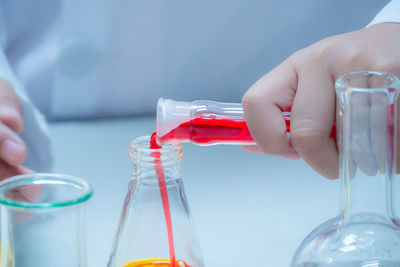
206,122
42,221
155,226
367,231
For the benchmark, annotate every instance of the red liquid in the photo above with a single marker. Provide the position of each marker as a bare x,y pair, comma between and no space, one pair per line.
210,130
164,195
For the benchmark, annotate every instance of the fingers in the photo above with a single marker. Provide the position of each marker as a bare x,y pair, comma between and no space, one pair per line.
361,149
7,171
263,104
25,193
10,107
313,114
12,148
256,150
252,149
380,130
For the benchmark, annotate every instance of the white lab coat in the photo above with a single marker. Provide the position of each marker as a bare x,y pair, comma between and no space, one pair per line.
85,59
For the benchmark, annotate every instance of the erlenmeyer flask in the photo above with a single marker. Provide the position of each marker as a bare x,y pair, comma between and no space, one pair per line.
142,238
367,232
42,221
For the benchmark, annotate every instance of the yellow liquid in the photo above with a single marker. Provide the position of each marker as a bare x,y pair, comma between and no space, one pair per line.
155,262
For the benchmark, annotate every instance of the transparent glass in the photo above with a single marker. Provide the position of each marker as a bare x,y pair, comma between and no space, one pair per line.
366,232
204,122
42,221
142,238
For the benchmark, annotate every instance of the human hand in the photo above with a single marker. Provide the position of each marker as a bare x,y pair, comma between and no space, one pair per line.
304,83
12,148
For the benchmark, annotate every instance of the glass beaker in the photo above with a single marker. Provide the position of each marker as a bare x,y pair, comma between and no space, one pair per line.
42,221
367,232
142,237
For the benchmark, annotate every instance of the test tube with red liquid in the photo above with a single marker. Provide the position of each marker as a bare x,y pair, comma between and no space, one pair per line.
205,122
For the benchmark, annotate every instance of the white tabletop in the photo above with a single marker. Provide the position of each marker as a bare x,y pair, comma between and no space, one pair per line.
248,210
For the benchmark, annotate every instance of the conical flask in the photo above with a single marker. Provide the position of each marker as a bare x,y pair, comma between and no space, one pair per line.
153,205
366,233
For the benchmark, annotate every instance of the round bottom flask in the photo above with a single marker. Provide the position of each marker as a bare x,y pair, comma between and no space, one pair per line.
367,231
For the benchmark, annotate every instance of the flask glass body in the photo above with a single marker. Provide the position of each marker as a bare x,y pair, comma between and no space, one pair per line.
366,232
142,237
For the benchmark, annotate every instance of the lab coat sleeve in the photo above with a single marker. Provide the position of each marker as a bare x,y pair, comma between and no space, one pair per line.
36,134
390,13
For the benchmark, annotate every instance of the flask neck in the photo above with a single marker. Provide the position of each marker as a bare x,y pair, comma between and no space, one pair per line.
149,163
367,130
148,173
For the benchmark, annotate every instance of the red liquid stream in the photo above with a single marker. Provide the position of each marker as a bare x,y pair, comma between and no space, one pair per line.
211,130
164,195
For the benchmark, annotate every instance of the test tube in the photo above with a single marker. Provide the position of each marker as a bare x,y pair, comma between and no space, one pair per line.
204,122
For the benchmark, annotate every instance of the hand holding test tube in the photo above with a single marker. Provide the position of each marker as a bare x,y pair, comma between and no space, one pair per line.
299,84
305,83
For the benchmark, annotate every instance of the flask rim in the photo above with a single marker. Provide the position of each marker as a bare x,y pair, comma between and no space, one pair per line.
345,82
141,153
81,191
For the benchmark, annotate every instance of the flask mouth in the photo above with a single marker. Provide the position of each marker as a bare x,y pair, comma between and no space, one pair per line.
367,81
141,153
44,191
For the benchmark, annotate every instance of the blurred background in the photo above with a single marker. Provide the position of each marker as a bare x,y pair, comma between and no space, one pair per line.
95,59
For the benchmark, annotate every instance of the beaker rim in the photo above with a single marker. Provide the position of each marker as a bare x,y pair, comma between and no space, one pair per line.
82,190
140,151
389,81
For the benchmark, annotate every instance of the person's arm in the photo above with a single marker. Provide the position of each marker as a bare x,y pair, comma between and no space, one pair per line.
305,83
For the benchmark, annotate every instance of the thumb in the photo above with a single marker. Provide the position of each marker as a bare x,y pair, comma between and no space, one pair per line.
10,107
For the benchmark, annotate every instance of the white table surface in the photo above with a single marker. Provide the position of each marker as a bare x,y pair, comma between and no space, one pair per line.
248,210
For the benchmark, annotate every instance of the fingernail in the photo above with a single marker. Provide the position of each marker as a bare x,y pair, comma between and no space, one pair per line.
12,118
9,110
12,152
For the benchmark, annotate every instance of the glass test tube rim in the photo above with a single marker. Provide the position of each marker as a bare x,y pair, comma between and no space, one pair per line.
81,184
